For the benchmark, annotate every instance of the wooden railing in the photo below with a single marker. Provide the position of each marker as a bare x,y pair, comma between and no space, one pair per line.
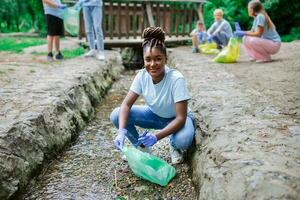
128,18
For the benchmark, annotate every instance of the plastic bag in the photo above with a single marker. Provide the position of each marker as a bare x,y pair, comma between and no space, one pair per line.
230,53
209,48
71,20
149,167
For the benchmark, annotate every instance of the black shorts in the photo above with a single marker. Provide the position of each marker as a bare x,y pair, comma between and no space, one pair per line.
55,25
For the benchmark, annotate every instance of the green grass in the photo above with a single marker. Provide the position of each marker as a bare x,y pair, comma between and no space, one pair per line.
294,35
67,53
72,53
17,44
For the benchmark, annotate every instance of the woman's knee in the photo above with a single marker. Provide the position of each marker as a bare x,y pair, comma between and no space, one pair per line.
114,116
184,138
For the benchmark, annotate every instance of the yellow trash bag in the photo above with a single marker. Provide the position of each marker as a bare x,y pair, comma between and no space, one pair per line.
208,48
71,20
230,53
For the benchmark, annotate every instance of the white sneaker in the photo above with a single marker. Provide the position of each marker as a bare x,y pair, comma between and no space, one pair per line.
90,53
100,55
176,156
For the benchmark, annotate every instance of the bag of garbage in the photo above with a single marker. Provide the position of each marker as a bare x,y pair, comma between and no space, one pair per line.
149,167
208,48
230,53
71,20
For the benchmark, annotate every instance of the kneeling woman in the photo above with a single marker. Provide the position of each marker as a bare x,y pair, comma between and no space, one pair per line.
263,40
166,96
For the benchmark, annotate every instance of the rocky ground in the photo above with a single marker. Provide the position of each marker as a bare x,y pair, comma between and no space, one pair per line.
93,169
247,145
247,141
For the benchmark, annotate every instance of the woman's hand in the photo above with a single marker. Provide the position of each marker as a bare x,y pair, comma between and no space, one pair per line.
120,138
148,139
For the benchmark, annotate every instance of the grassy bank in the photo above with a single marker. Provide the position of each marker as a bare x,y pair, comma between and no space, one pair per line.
17,44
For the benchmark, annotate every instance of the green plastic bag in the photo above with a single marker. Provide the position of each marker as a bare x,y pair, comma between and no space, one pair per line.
208,48
230,53
149,167
71,20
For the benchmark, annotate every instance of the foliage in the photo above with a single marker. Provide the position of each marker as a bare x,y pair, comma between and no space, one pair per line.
293,35
284,14
20,15
72,53
15,44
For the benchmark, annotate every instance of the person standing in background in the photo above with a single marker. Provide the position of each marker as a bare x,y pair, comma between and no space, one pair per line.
92,14
53,10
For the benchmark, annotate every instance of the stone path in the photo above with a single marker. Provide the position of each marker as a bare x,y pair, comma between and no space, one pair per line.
41,112
248,144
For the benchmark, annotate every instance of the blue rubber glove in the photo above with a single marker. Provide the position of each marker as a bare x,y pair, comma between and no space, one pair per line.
237,26
148,139
62,6
239,33
120,138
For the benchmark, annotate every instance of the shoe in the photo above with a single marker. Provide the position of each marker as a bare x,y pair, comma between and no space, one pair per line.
263,61
90,53
50,57
195,50
59,56
100,55
176,155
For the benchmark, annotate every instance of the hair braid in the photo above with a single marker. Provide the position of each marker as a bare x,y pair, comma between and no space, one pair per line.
154,37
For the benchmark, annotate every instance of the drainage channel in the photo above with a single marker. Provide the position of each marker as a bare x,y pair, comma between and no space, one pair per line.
92,169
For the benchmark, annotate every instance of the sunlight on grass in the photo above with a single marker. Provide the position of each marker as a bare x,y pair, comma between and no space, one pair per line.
67,53
17,44
72,53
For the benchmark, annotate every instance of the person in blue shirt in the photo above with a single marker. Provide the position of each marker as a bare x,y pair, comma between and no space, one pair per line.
262,40
53,10
166,96
92,14
220,31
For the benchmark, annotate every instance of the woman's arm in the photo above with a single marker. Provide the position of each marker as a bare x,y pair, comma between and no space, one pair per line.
257,33
177,123
127,103
51,3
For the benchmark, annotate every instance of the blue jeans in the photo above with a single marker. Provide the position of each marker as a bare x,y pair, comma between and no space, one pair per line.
221,38
93,21
143,117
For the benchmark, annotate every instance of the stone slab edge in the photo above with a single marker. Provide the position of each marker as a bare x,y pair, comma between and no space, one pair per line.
242,150
37,137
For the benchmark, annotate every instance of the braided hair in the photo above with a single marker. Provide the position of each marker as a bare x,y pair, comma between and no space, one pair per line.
154,37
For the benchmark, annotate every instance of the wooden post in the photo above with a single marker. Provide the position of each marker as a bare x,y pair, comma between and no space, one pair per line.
158,14
134,21
190,18
164,18
149,14
184,20
200,11
127,20
177,19
111,29
119,21
171,19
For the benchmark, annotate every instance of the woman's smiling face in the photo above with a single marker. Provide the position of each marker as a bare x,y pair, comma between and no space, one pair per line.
155,62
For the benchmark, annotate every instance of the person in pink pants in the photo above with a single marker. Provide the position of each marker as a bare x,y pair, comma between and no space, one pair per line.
262,40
